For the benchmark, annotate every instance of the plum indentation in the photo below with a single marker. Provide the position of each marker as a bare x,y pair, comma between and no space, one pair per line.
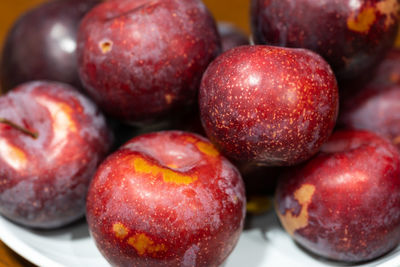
106,46
14,156
32,134
63,123
207,148
168,175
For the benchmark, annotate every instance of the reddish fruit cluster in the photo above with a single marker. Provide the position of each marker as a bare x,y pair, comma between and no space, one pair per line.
42,44
172,198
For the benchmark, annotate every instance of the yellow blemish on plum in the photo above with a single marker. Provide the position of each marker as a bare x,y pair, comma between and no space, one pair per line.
190,139
363,21
169,176
120,230
291,222
207,148
144,244
106,46
13,156
172,166
390,8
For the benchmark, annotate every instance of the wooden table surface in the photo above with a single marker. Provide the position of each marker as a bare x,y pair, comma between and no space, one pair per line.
9,258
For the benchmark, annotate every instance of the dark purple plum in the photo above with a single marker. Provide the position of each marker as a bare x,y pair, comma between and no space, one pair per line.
42,44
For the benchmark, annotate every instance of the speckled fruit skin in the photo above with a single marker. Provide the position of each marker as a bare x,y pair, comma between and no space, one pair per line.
353,36
376,109
269,105
143,59
43,181
344,204
42,44
166,199
231,36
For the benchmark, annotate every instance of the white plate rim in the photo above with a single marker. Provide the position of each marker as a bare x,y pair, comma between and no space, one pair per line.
22,249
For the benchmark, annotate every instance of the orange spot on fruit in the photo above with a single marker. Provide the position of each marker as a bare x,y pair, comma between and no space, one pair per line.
207,148
363,21
291,222
389,8
169,98
120,230
144,244
168,175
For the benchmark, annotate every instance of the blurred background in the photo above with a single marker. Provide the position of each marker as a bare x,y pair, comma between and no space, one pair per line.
9,12
235,11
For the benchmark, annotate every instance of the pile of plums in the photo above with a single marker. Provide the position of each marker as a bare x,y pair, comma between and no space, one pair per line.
154,189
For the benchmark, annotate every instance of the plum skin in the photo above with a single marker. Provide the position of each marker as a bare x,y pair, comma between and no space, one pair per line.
388,71
375,108
353,38
143,60
231,36
344,204
42,44
270,105
44,180
166,199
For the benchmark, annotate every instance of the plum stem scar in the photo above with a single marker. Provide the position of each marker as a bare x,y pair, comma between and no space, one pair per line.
19,128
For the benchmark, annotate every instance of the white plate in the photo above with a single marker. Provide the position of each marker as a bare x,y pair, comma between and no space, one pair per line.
265,245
